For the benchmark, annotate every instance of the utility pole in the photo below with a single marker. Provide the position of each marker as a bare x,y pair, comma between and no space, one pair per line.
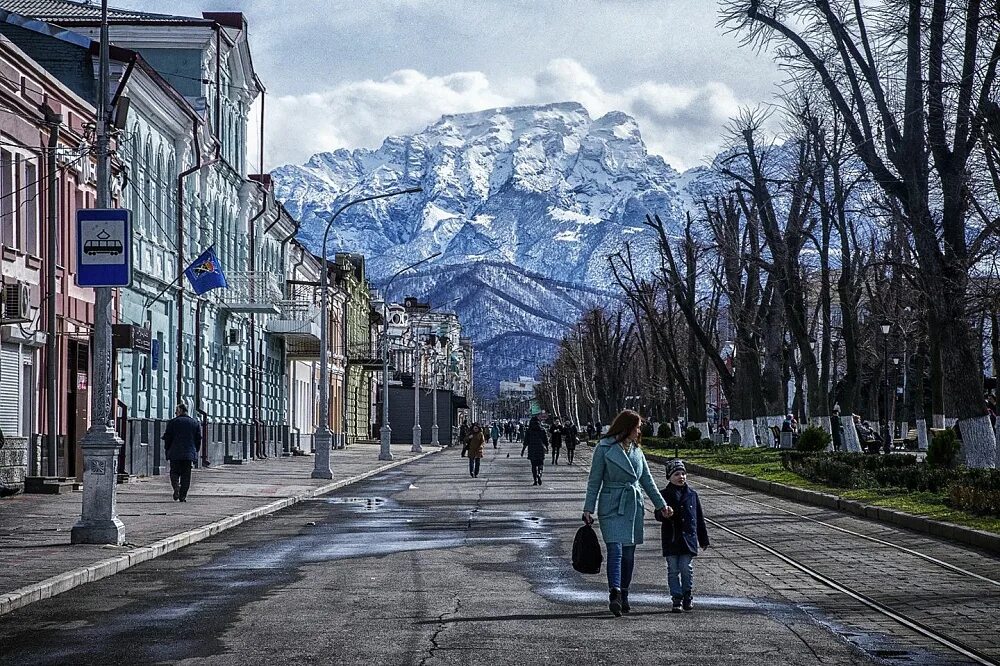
99,521
53,121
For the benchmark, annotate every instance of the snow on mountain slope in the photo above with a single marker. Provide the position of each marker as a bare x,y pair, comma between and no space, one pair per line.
524,203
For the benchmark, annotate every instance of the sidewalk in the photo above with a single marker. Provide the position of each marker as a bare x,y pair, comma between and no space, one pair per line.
37,560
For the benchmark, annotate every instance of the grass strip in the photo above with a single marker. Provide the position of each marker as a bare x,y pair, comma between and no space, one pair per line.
765,464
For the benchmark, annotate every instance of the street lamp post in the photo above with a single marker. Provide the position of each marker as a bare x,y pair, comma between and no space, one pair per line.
417,431
385,450
323,437
434,404
887,441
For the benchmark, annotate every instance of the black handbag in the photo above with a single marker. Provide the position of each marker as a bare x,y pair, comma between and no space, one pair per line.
587,555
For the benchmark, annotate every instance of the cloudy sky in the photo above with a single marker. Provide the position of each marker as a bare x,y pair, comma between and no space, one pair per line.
346,74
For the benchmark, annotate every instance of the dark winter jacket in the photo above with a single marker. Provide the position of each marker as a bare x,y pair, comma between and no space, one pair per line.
685,530
555,436
536,443
570,434
182,438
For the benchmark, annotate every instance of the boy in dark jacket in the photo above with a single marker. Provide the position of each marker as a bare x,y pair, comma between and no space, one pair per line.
681,534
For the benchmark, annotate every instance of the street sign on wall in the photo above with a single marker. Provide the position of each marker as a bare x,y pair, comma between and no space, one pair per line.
104,247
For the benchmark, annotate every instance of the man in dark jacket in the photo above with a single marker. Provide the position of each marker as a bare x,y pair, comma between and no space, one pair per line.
181,441
681,534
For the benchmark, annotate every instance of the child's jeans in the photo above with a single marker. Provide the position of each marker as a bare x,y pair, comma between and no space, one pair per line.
680,569
621,561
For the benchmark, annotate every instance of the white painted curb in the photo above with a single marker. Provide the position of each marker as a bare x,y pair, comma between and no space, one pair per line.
64,582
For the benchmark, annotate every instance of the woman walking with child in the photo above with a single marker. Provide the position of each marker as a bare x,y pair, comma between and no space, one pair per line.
618,476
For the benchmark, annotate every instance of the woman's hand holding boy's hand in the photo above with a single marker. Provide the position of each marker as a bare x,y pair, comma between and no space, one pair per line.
666,512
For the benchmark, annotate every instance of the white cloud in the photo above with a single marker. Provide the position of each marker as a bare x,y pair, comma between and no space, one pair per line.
363,113
685,124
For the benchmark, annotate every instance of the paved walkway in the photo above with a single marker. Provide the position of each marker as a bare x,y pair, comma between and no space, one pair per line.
37,559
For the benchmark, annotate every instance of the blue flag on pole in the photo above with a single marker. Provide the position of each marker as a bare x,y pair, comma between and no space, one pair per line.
205,272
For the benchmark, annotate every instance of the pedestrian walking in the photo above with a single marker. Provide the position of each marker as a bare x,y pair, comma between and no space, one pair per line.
495,434
537,445
572,437
520,432
618,475
181,441
681,534
477,441
555,438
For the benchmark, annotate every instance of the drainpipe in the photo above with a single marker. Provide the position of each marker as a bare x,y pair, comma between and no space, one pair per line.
198,407
53,121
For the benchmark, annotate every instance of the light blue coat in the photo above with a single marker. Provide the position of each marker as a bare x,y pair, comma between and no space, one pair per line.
614,487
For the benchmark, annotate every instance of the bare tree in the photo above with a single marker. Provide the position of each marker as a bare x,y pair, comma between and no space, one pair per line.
907,86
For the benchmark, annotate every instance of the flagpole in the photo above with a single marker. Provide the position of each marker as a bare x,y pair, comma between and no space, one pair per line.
162,291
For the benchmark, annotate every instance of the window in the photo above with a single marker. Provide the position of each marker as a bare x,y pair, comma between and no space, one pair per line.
29,216
8,230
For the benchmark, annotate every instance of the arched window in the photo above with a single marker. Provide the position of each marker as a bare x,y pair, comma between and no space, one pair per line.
159,206
147,188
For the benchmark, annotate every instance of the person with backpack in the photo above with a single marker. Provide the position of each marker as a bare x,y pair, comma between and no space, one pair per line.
619,475
537,445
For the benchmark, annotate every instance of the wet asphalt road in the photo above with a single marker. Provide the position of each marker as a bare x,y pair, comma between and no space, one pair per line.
420,565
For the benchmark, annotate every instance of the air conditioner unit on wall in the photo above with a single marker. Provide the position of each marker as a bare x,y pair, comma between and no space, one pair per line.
16,304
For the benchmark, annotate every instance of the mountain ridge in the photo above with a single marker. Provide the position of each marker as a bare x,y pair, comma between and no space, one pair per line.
524,203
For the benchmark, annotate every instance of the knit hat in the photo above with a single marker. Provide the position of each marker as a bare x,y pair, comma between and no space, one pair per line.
675,466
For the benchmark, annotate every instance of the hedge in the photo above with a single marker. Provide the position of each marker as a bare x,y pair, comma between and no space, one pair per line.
973,490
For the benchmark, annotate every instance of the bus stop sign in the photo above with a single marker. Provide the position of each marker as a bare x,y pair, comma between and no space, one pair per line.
104,247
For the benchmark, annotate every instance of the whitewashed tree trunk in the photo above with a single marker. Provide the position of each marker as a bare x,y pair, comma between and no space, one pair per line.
937,421
744,429
703,428
904,429
892,430
922,440
677,429
949,422
979,442
849,435
764,436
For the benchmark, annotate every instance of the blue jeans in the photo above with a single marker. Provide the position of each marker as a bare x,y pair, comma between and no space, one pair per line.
621,561
680,569
473,466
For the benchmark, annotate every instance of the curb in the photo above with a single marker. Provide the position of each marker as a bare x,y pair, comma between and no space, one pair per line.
64,582
948,531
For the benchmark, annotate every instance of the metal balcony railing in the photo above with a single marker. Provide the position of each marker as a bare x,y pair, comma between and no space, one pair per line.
295,318
251,291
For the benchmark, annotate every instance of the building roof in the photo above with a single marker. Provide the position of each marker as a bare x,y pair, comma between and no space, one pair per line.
70,12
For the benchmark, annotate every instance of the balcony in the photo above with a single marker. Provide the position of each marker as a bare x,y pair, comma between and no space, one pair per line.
255,292
364,354
298,322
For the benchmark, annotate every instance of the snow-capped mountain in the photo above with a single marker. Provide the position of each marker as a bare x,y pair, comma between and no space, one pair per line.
524,203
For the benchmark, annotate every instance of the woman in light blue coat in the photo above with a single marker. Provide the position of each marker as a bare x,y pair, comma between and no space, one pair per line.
618,475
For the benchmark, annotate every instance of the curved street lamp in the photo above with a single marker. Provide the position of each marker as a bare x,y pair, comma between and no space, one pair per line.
323,437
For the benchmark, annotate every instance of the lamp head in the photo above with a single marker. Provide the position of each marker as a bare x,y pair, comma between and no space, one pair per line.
886,327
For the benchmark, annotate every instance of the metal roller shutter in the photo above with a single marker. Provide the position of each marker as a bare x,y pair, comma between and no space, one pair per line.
10,389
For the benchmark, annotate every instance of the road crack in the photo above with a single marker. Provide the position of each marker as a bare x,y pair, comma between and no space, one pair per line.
441,626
